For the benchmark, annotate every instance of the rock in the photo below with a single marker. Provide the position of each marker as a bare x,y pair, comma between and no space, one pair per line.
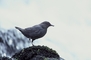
11,41
5,58
37,53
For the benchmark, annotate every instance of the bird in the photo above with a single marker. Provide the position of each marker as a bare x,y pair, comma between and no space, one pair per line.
36,31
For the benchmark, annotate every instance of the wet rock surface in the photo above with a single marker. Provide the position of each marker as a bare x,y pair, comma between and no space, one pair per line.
11,41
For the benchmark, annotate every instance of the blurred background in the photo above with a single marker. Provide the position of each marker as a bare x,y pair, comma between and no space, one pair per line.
71,36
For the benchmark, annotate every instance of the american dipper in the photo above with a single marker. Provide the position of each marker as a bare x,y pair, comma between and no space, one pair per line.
36,31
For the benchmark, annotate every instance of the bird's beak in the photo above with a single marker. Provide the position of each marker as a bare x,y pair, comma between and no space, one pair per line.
52,25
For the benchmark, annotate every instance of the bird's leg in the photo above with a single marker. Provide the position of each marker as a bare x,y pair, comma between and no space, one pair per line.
32,43
29,39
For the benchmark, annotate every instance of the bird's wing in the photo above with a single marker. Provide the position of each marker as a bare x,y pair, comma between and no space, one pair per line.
32,31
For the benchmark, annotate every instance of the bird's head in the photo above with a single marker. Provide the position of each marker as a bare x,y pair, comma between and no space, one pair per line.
47,24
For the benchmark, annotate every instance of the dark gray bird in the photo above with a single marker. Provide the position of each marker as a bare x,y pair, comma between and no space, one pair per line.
36,31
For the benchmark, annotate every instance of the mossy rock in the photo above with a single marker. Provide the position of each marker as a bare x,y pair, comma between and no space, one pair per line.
36,53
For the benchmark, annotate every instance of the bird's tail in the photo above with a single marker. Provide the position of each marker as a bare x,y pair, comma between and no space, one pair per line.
20,29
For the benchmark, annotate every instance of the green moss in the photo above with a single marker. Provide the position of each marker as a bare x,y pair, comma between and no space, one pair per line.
45,58
38,50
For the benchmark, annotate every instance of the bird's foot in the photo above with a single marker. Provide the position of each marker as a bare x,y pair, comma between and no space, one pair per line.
32,44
